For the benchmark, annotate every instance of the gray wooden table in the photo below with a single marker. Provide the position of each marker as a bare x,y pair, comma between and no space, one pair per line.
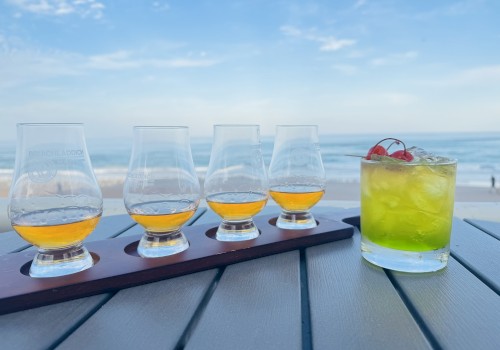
322,297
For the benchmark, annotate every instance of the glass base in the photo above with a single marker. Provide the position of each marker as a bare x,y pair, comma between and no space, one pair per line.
155,245
236,231
296,221
405,261
60,262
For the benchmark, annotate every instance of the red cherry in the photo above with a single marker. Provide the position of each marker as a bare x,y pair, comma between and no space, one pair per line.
381,151
377,149
403,155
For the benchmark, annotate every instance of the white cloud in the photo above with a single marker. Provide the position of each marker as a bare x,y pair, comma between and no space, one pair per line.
184,63
474,76
328,43
394,59
21,66
333,44
479,75
374,102
18,67
121,60
112,61
84,8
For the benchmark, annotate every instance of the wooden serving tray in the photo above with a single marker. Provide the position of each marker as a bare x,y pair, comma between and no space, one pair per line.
118,266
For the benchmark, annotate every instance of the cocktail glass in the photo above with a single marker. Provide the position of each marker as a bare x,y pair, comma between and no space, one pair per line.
55,201
162,190
296,175
406,213
236,185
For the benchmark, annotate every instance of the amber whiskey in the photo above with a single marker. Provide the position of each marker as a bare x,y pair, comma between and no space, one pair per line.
296,198
163,222
237,206
57,236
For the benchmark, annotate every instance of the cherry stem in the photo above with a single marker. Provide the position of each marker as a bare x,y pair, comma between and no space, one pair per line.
395,141
392,143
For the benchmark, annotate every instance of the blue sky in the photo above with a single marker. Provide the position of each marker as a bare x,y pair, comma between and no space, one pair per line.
357,66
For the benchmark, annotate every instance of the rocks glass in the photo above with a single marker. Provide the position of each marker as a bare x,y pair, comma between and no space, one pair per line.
296,175
161,191
55,201
406,213
236,183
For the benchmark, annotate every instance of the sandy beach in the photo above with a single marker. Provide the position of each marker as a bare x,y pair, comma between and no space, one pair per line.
471,202
341,191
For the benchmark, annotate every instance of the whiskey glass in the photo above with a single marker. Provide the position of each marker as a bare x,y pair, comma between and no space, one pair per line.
236,185
296,175
54,201
161,191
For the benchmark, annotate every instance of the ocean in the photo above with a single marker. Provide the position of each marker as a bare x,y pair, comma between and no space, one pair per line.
478,154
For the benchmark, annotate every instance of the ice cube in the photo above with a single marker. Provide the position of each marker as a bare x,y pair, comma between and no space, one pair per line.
422,156
430,191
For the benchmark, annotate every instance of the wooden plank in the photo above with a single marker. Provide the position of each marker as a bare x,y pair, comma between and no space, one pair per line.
11,242
152,316
177,298
490,227
478,251
353,303
39,328
458,309
256,306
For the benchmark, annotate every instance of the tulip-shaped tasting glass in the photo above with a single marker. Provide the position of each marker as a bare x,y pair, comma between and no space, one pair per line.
161,191
55,201
236,182
296,175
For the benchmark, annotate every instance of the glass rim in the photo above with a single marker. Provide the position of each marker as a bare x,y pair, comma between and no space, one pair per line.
296,125
236,125
448,161
160,127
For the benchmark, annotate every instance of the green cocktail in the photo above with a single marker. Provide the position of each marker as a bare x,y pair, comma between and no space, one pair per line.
406,212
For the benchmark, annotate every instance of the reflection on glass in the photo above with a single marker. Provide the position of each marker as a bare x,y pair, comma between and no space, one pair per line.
236,183
55,201
162,191
296,175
